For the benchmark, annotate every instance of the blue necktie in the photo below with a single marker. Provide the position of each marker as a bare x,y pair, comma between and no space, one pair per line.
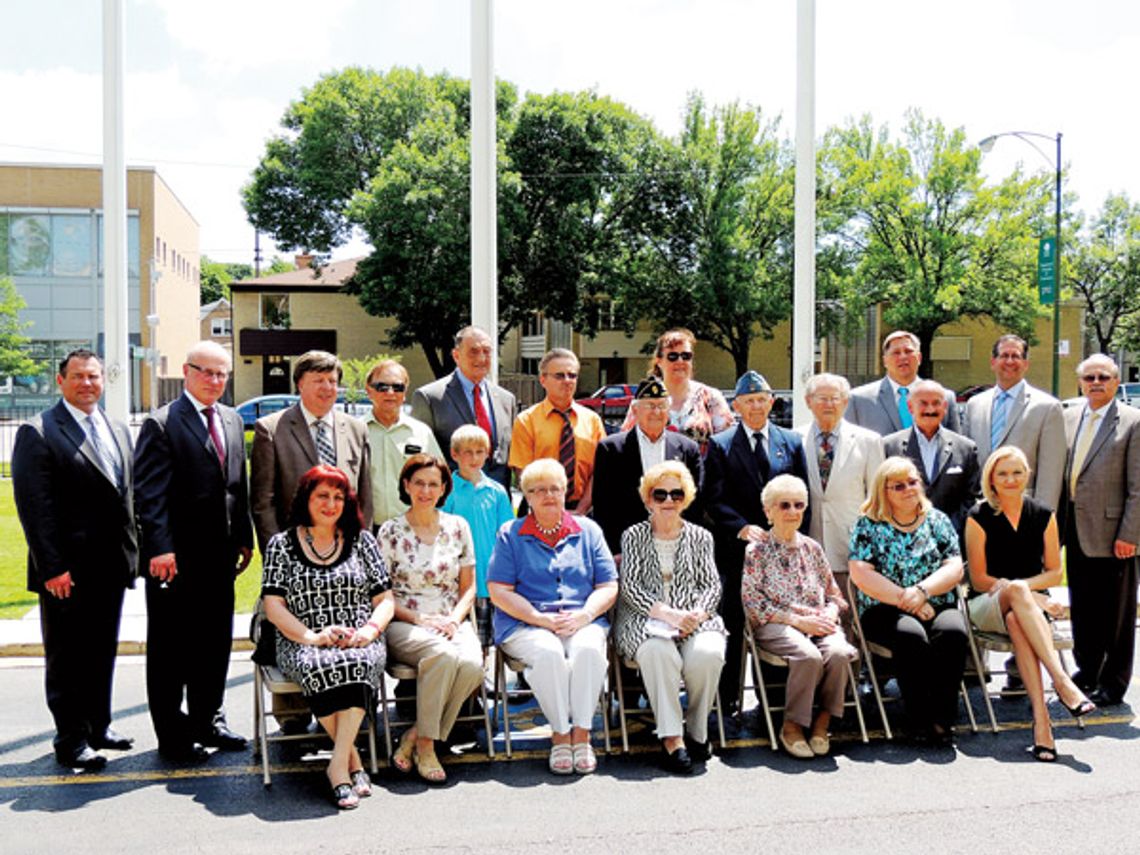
997,422
904,411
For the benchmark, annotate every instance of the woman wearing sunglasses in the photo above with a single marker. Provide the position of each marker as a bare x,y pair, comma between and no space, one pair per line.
667,617
906,563
793,606
696,410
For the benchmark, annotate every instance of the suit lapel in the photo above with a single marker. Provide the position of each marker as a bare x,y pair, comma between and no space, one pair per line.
75,432
301,433
455,397
844,442
1103,433
889,402
631,450
811,452
945,453
741,449
1016,411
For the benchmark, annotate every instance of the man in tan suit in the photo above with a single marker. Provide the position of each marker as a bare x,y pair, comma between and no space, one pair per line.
841,463
1102,528
1027,417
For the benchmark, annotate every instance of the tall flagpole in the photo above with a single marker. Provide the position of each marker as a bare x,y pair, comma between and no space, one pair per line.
803,325
484,209
117,386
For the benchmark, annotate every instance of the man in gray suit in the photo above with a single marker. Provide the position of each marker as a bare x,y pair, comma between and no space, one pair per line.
1015,413
1102,528
947,461
467,397
841,463
881,405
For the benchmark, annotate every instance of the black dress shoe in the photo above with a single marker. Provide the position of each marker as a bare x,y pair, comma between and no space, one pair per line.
699,752
1104,698
112,739
223,738
678,762
84,757
183,753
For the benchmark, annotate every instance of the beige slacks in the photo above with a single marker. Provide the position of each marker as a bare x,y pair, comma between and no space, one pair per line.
818,661
698,661
450,670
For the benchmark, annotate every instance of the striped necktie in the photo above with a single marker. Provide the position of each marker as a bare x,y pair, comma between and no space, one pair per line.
998,420
109,460
566,449
326,452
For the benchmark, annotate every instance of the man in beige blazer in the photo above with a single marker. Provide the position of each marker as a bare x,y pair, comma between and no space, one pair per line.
1102,529
1027,417
841,463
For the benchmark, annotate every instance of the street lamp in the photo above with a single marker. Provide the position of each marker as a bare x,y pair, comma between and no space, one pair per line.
1025,136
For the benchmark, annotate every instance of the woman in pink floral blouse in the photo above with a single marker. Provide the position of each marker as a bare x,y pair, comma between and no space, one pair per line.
793,606
696,410
431,561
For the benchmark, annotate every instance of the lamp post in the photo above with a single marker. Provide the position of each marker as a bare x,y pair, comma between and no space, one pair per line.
1025,136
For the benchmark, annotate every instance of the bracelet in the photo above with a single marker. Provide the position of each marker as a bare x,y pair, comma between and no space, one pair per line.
375,626
925,593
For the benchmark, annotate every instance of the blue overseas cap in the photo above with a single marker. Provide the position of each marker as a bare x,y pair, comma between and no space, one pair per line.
750,383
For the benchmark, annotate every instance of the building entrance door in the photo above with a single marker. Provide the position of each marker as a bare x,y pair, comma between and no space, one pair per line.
275,376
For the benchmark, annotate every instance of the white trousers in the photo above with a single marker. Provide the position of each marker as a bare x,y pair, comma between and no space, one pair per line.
698,661
566,674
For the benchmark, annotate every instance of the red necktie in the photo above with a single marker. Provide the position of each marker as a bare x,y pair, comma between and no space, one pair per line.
481,418
216,435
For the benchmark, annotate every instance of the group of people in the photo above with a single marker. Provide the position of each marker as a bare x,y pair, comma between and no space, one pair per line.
694,523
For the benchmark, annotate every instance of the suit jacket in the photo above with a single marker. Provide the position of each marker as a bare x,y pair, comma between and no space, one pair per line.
858,453
284,450
956,485
76,519
1106,503
1034,424
188,504
617,473
442,405
874,406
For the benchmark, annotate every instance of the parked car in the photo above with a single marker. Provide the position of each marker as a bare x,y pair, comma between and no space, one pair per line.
1131,393
264,405
611,401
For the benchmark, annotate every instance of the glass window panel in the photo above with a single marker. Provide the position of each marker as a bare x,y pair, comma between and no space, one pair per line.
71,245
30,244
3,244
275,312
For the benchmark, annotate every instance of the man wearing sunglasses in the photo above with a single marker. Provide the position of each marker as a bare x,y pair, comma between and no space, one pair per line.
393,436
739,462
558,428
946,460
1101,511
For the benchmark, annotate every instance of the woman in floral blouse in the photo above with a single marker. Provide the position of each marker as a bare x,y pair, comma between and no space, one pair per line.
906,562
431,561
793,606
696,410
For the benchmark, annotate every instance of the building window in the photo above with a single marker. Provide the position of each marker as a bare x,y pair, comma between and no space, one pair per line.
71,245
533,325
275,312
220,327
30,248
528,366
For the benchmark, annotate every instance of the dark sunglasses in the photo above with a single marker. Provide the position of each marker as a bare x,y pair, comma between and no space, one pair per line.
904,485
562,375
660,496
389,387
1089,378
687,356
786,505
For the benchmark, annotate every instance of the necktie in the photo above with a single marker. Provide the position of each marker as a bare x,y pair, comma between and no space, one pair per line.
566,450
481,417
216,435
904,411
325,450
109,461
997,421
1082,451
761,456
826,457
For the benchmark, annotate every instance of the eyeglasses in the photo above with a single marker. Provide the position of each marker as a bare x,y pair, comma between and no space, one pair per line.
787,506
659,496
653,405
1097,378
221,376
546,491
685,356
826,399
389,387
1009,357
562,375
908,484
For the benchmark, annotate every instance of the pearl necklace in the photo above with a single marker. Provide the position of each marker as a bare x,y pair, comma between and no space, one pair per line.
546,532
325,556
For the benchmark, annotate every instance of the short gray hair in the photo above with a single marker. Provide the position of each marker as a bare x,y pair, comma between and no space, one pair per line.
825,379
1101,358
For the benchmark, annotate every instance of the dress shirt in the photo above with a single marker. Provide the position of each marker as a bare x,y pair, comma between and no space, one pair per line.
762,434
101,427
929,449
652,451
199,407
391,447
469,393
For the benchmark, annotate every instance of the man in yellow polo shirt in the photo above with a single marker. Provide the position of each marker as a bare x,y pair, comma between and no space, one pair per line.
558,428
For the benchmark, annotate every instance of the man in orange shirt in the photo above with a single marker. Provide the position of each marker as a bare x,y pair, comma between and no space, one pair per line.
558,428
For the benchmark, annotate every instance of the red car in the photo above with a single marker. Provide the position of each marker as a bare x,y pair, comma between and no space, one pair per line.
610,402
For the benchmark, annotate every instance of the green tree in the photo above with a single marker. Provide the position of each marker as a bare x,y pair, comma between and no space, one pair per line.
14,359
932,242
214,278
1105,273
356,375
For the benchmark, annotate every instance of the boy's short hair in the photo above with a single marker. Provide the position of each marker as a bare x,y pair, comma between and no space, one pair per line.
468,435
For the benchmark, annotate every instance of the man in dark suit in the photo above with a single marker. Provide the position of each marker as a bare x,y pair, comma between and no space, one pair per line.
947,461
1101,504
881,405
72,482
622,458
467,397
193,508
739,462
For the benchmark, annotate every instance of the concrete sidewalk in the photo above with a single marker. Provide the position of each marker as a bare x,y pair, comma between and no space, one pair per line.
22,637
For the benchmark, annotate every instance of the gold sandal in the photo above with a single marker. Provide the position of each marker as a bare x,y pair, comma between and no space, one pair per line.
402,758
427,765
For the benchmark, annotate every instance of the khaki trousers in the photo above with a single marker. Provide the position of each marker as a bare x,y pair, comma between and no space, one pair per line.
817,661
450,670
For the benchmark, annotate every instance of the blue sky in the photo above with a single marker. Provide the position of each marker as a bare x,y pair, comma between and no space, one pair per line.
207,80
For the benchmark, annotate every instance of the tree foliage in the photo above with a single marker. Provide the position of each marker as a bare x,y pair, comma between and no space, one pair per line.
14,359
1105,273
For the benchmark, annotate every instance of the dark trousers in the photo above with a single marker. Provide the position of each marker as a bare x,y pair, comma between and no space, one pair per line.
189,636
928,658
1102,600
81,637
730,563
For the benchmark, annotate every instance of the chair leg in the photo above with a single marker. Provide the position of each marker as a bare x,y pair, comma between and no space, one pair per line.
259,723
487,731
621,704
370,722
969,706
503,700
720,721
761,689
869,659
980,670
853,687
386,719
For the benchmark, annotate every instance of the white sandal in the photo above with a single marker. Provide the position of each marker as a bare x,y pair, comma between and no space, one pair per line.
585,761
561,759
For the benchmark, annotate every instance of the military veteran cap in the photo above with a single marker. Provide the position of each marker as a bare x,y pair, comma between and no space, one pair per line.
750,383
650,387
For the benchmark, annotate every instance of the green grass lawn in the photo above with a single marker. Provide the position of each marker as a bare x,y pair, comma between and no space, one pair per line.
15,600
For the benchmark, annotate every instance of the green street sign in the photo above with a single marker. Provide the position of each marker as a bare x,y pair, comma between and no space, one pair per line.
1047,270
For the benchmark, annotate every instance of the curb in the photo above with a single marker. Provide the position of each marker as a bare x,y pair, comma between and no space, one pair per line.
126,648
